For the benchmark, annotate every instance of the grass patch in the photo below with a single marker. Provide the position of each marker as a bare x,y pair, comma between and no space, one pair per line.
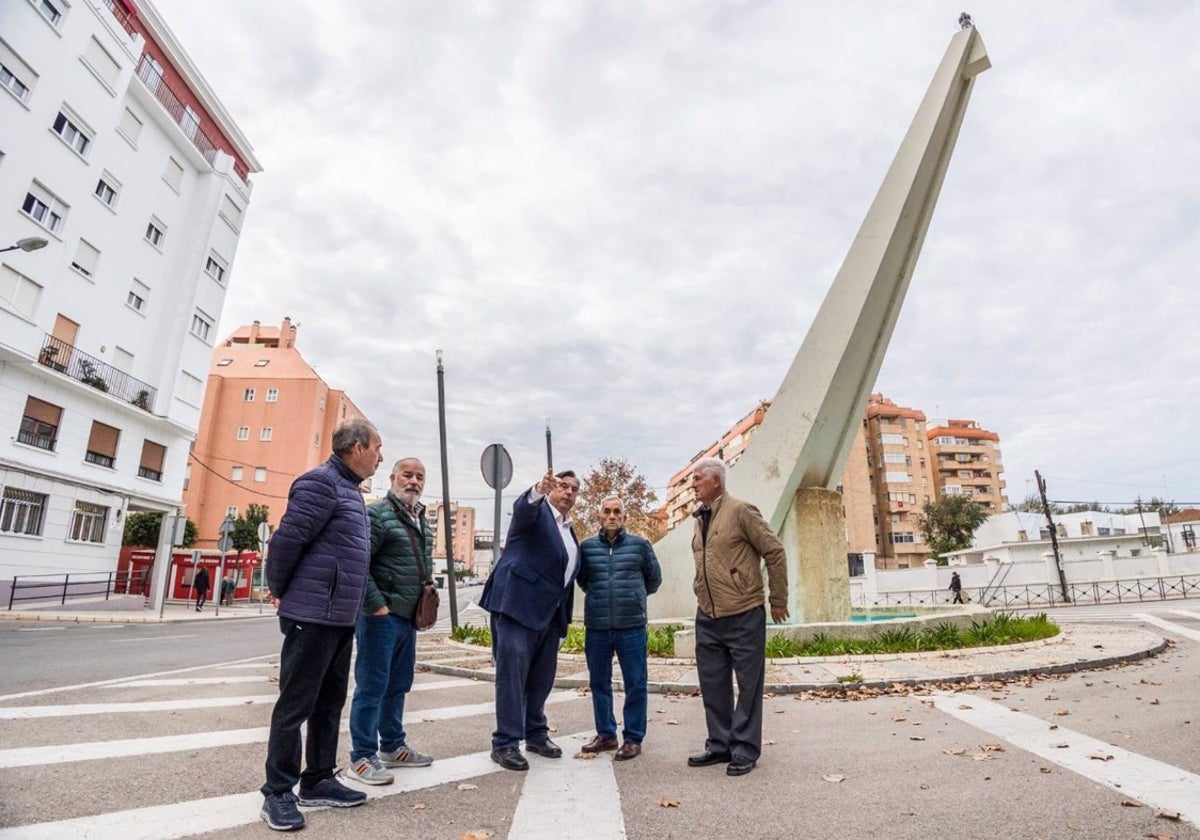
999,629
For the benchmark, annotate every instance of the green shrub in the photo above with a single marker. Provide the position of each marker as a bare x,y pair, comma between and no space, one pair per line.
660,639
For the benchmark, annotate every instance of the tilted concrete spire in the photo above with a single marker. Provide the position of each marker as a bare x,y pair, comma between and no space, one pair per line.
806,436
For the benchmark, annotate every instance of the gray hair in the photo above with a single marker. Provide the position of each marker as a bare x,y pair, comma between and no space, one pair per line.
616,499
350,432
711,465
404,460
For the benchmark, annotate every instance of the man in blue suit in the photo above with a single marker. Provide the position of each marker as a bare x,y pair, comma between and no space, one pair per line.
530,595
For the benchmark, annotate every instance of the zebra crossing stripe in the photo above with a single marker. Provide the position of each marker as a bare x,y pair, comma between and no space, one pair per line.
184,819
1169,626
569,800
1135,776
132,747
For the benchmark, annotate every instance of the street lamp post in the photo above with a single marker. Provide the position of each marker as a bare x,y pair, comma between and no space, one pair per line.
33,243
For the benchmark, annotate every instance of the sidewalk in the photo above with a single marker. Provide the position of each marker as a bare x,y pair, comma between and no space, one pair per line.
1079,647
129,609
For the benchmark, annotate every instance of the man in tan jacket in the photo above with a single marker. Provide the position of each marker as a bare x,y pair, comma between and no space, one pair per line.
730,544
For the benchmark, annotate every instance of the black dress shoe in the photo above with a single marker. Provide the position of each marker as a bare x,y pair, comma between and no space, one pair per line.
546,749
740,765
708,757
510,758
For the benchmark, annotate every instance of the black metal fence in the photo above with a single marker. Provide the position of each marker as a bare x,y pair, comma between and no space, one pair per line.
52,589
1026,596
89,370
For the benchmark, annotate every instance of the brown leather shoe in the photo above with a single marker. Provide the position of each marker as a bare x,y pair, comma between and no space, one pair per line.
599,744
627,751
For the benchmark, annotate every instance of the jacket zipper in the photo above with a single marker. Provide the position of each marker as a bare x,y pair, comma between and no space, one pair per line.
704,561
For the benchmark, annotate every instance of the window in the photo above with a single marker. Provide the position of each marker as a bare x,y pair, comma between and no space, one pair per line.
321,402
102,445
101,63
943,441
43,207
215,268
174,174
901,537
190,388
316,441
70,128
248,395
130,127
107,189
51,10
236,473
230,212
952,489
262,363
231,511
22,512
243,433
122,360
894,458
155,233
201,325
15,75
265,433
87,523
260,474
153,456
19,292
889,439
897,477
224,362
272,395
138,293
39,424
86,258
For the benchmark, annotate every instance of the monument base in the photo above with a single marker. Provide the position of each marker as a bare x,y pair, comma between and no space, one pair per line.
814,534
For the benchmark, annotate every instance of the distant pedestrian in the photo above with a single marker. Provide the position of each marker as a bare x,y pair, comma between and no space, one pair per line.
200,586
617,570
228,585
320,559
956,588
401,561
731,543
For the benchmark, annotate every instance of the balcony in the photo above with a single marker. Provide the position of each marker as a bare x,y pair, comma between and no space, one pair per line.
62,357
166,97
121,15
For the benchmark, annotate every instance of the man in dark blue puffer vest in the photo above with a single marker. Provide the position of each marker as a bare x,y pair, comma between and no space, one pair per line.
617,570
317,572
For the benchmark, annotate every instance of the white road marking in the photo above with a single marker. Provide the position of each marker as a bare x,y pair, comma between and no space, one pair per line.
38,629
184,819
154,638
250,665
1186,613
1169,626
132,747
1135,776
568,799
29,712
39,692
262,678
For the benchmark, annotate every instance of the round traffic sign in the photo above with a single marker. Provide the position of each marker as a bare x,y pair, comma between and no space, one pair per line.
264,532
496,466
225,543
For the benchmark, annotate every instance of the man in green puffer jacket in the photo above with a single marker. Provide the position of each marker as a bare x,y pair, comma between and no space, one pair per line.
617,571
401,560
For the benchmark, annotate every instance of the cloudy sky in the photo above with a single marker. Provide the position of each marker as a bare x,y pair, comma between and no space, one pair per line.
622,216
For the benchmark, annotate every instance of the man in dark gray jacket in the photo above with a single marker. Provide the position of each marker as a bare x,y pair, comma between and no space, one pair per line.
317,572
617,571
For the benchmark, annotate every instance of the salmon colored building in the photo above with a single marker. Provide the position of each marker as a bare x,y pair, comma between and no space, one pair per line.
267,418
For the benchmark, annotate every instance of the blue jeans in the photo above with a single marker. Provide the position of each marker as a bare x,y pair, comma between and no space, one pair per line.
630,648
383,674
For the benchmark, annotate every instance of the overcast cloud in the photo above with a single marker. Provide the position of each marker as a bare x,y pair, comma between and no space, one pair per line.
623,216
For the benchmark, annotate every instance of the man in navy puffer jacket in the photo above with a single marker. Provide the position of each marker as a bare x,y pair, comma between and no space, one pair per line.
617,570
317,571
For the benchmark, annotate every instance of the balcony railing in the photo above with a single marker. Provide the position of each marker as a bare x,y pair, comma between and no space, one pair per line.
153,475
121,15
156,84
89,370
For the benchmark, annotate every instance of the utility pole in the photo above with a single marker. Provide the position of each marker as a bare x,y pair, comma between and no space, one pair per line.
1142,516
447,520
1062,579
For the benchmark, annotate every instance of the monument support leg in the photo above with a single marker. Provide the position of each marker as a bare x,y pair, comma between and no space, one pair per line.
814,534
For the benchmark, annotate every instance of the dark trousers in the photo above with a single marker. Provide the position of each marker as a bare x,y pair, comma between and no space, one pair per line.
726,647
526,662
201,597
630,647
314,672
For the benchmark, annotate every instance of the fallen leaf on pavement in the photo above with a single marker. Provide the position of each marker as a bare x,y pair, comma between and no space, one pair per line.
1154,835
915,738
552,728
478,834
669,803
1061,712
1129,803
768,743
1061,746
467,786
964,706
584,756
955,751
982,757
418,806
1154,702
672,722
834,777
1099,756
1045,769
898,718
1167,815
991,747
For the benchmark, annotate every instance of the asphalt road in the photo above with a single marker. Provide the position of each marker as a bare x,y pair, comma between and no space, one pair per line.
1105,754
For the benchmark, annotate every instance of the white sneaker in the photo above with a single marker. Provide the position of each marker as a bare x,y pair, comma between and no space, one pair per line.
405,757
370,771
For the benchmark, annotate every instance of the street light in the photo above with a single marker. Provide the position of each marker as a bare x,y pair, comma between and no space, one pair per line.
33,243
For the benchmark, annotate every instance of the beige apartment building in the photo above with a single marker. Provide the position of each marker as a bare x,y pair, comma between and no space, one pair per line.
897,463
267,417
462,520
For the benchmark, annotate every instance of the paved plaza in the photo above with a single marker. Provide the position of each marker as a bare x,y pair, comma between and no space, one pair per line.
1093,734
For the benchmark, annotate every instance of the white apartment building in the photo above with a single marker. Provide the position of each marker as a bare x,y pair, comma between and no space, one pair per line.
115,151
